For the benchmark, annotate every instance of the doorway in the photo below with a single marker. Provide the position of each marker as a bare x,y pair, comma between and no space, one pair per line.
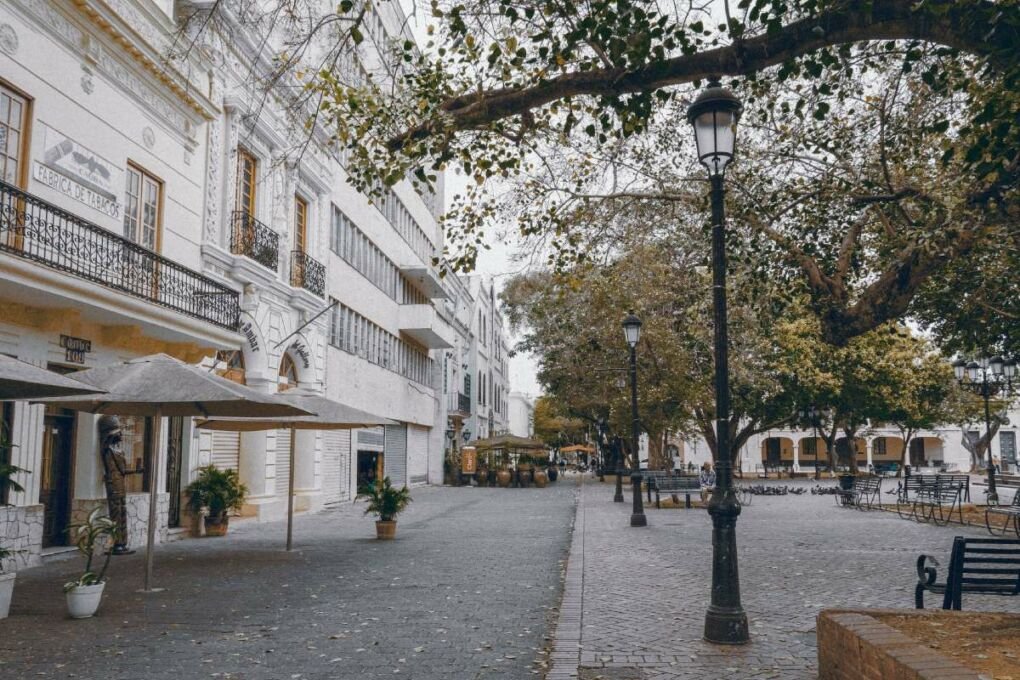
174,457
57,472
370,468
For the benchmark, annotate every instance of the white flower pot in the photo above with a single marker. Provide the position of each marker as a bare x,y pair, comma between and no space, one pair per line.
6,593
83,601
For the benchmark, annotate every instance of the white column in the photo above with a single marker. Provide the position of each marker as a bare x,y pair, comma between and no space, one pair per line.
796,455
257,461
306,453
870,449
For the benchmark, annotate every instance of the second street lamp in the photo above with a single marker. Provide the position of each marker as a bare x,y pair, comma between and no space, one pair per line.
632,331
986,379
714,115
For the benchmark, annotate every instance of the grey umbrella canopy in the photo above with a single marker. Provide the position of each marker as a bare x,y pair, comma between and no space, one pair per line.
158,386
21,380
329,415
159,382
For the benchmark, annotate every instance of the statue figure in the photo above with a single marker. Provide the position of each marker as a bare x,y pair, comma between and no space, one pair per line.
115,469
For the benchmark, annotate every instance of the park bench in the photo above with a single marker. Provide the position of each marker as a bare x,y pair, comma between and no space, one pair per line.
863,494
961,479
986,566
1008,480
1010,514
938,502
676,486
652,477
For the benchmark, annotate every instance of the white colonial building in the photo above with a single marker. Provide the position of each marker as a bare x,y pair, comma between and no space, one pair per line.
878,447
522,414
157,203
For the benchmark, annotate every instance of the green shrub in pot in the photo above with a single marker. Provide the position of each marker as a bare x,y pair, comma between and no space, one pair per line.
218,492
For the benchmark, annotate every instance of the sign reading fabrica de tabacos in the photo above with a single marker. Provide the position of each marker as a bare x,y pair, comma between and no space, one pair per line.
78,172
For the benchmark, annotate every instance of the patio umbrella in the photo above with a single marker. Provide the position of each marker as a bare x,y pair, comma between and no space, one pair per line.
21,380
329,415
158,386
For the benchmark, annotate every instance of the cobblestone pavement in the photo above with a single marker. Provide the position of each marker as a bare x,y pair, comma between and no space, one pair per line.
466,591
642,593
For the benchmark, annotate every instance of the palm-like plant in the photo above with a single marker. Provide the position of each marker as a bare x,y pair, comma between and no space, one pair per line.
88,536
218,490
385,500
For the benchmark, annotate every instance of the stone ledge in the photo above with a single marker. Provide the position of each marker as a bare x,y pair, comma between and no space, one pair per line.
852,645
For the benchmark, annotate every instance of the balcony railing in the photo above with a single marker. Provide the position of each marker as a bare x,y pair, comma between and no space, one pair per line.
254,240
34,229
307,272
458,403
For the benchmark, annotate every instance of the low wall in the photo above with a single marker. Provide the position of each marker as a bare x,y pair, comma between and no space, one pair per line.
854,646
21,528
137,516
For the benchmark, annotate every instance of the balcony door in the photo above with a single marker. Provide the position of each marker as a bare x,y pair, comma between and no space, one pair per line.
143,209
247,167
14,110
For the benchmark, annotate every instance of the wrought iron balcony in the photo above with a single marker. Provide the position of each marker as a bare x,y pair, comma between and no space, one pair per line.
254,240
36,230
458,404
307,272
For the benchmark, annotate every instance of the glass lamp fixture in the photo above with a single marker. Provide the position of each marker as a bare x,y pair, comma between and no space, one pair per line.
714,115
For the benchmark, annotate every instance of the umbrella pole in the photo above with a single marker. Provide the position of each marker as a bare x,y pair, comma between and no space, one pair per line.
290,493
157,421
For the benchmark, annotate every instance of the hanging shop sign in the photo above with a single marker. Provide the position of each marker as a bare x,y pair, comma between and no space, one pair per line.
80,173
75,349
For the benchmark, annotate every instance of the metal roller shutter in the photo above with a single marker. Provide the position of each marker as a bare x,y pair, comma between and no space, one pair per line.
336,466
226,449
282,462
417,455
395,454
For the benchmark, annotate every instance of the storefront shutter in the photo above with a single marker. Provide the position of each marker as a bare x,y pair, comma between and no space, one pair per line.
417,455
282,462
395,454
226,448
336,466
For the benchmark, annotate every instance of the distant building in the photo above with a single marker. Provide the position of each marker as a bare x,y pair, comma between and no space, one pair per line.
522,415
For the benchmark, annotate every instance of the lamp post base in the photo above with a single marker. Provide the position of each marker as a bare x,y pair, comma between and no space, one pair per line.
726,626
637,520
618,498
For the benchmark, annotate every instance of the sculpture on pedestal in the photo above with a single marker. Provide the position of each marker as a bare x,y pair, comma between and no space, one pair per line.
115,470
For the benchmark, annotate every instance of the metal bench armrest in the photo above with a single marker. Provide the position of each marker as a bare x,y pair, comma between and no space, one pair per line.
926,575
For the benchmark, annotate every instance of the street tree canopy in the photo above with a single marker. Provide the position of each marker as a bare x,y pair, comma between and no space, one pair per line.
879,141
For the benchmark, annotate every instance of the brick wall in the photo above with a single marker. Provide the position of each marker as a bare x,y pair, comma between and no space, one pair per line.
855,646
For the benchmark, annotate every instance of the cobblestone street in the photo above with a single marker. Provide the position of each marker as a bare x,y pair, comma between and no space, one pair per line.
464,592
643,592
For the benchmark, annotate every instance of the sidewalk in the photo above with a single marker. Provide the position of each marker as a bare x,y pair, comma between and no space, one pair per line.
467,590
635,599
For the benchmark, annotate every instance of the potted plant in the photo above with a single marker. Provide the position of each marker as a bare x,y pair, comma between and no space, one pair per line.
7,579
217,492
386,502
84,593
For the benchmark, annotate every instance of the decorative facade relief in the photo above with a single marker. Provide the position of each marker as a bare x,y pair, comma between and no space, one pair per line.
8,39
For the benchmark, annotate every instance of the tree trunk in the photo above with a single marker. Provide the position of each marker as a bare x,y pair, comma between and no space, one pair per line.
656,452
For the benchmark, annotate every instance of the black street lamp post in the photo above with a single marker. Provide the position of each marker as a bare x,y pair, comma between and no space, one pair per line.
714,115
632,331
987,378
811,414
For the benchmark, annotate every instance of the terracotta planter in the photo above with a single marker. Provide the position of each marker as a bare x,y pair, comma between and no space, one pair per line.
503,478
482,477
216,526
524,477
83,601
541,479
385,530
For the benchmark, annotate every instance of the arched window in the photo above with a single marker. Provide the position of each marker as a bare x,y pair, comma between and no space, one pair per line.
288,373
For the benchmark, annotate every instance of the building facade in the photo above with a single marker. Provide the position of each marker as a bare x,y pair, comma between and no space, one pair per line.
877,447
155,203
521,414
